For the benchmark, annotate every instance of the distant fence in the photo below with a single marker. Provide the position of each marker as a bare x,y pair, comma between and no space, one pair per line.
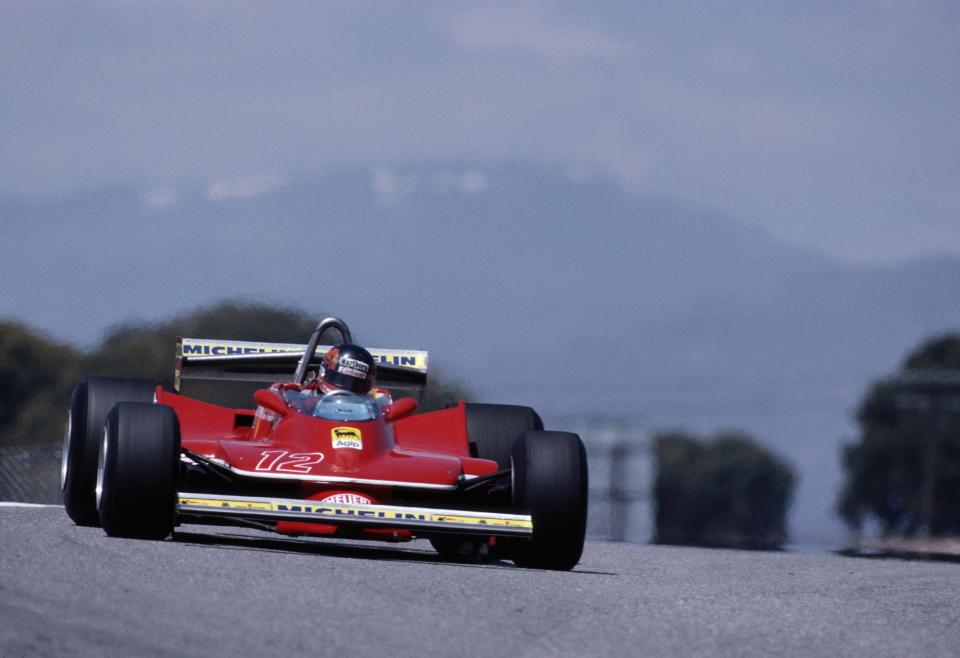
618,454
30,473
621,477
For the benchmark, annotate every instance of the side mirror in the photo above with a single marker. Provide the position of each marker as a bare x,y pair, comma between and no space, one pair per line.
271,401
400,409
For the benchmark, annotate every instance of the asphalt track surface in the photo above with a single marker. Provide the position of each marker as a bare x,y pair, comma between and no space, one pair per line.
67,590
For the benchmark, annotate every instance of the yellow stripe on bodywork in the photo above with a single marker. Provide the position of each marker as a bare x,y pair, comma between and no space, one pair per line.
318,510
480,520
234,504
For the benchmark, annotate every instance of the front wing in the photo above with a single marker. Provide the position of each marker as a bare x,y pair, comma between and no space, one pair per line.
424,520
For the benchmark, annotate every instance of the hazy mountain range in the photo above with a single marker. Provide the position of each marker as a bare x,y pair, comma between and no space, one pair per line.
529,284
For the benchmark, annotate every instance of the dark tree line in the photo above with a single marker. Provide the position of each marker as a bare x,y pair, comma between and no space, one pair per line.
37,373
725,491
36,377
904,471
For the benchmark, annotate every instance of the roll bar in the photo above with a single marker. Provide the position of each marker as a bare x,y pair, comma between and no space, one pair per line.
326,323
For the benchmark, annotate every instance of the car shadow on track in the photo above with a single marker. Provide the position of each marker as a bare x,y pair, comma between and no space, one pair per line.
339,549
907,556
326,547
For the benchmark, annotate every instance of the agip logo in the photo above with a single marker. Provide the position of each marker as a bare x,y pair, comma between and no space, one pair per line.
346,437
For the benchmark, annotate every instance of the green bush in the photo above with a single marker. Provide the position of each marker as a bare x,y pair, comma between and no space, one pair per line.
728,491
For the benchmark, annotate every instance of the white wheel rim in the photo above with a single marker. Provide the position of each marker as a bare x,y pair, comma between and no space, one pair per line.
65,455
101,467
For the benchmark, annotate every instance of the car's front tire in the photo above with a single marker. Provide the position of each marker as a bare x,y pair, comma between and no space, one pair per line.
550,484
138,471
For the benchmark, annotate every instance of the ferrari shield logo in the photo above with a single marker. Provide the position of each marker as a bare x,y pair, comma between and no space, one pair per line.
346,437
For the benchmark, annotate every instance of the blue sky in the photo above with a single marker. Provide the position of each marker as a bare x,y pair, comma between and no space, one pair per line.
834,126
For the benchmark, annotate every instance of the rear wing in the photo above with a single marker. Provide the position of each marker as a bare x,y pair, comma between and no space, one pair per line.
234,360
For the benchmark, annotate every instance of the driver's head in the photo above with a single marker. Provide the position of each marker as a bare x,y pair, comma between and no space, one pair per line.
347,367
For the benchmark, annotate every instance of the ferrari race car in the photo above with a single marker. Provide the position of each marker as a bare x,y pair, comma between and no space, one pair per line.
475,479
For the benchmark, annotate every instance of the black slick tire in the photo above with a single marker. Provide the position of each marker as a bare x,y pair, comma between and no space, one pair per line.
90,403
494,428
550,484
138,469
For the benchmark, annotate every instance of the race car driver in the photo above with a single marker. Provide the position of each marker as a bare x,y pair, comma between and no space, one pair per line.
345,367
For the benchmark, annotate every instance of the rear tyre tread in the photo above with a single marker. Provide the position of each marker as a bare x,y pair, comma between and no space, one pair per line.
494,428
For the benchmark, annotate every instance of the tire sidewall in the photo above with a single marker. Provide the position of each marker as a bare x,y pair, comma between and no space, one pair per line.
78,466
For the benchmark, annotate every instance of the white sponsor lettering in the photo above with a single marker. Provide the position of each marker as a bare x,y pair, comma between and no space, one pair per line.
347,499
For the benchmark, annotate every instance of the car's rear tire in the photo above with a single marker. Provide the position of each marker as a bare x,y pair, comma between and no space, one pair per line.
90,403
138,469
550,484
494,428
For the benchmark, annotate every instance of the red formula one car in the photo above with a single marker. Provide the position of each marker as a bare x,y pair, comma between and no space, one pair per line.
474,479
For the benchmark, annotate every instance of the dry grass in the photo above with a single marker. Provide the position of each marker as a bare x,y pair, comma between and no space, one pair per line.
942,546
